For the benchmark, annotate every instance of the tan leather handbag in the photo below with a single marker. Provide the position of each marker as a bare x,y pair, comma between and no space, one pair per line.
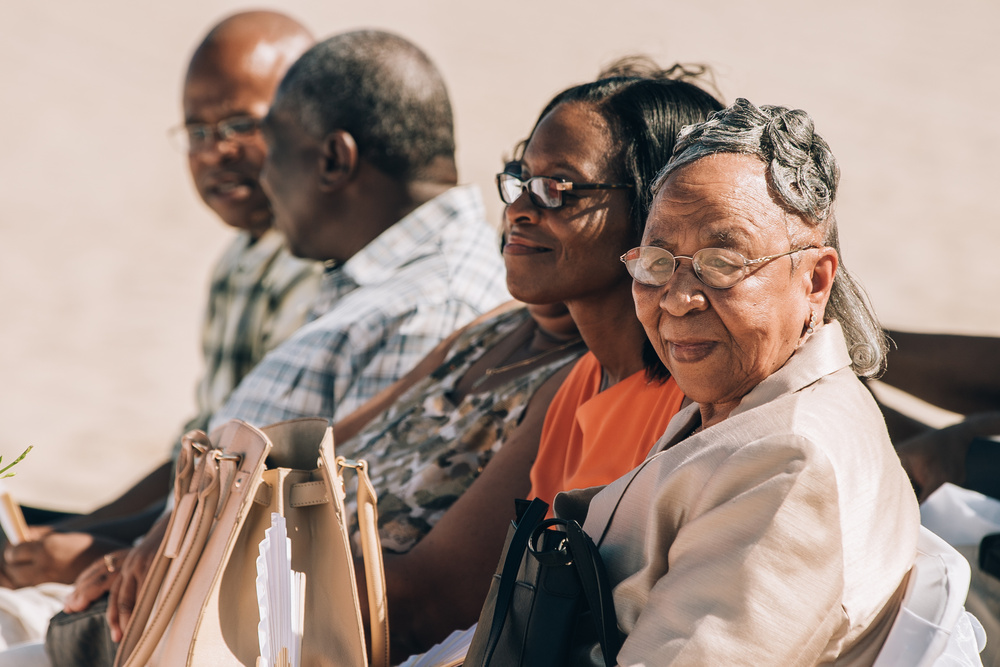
198,604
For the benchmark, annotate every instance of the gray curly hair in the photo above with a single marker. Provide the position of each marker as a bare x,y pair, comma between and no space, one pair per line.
804,174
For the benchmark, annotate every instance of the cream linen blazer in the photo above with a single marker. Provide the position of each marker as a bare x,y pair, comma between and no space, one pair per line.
780,536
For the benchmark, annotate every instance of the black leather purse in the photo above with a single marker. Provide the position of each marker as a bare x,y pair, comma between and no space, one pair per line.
550,600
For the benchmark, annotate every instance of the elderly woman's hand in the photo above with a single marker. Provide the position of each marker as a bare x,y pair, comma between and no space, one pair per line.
938,456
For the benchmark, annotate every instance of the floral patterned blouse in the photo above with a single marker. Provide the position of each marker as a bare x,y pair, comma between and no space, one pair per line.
426,450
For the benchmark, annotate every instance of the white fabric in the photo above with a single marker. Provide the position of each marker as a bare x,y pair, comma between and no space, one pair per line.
450,652
932,628
31,654
960,516
966,642
25,612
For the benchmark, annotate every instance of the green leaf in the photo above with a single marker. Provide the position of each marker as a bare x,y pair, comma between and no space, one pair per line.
11,465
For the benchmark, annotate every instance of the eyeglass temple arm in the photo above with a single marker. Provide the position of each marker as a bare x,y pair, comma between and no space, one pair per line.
749,262
594,186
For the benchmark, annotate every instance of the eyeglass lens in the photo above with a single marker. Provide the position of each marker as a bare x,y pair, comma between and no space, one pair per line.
199,136
544,191
716,267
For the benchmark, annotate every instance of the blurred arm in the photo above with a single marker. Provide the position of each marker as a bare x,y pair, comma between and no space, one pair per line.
957,373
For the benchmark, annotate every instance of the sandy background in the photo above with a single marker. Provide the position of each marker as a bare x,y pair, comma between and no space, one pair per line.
105,248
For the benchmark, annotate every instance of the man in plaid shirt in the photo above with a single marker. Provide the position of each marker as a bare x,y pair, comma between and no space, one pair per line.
361,174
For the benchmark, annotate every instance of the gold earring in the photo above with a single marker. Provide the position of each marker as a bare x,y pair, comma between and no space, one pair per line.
812,322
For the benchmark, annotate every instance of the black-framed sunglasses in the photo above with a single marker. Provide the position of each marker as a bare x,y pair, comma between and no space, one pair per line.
196,137
720,268
545,192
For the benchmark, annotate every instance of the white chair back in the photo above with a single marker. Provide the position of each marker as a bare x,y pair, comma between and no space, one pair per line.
932,605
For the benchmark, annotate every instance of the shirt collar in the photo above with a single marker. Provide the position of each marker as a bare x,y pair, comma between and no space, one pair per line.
408,238
264,247
253,257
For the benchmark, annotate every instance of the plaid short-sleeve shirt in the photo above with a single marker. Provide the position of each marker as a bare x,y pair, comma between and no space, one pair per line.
382,311
259,295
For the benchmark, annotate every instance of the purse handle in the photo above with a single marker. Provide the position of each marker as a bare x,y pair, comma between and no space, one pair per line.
586,559
371,552
582,554
525,526
177,555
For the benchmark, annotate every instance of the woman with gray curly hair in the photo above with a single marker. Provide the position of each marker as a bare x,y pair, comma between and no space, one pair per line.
773,523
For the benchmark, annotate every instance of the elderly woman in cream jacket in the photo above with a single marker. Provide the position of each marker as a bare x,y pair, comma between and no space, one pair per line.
773,524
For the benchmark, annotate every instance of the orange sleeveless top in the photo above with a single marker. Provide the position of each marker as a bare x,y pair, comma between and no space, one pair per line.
592,437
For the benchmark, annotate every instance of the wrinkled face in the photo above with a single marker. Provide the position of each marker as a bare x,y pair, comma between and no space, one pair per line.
290,178
227,173
568,253
720,343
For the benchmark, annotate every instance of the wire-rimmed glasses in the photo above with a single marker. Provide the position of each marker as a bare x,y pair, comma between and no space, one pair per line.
197,137
719,268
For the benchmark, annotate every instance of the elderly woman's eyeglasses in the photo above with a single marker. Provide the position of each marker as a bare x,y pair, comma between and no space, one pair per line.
719,268
197,137
545,192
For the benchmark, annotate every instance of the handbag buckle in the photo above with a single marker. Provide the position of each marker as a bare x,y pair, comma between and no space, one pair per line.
558,554
563,549
359,464
198,440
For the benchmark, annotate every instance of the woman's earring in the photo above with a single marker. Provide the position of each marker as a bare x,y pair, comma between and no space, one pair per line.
812,322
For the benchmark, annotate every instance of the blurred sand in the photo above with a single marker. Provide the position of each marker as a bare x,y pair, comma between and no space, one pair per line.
105,249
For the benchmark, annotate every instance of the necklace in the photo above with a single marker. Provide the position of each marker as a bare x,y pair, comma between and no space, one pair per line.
497,370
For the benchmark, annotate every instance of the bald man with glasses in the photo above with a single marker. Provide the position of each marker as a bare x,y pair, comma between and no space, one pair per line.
259,293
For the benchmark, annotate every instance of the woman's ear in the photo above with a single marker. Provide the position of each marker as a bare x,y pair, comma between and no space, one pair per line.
822,269
338,160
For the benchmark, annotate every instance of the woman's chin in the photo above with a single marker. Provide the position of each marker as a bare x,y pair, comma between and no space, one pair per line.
531,293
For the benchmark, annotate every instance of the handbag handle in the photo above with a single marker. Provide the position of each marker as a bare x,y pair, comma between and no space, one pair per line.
578,550
371,552
525,526
185,537
596,588
158,569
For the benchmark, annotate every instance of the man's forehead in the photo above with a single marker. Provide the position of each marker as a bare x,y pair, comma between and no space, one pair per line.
216,94
212,109
252,72
260,57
